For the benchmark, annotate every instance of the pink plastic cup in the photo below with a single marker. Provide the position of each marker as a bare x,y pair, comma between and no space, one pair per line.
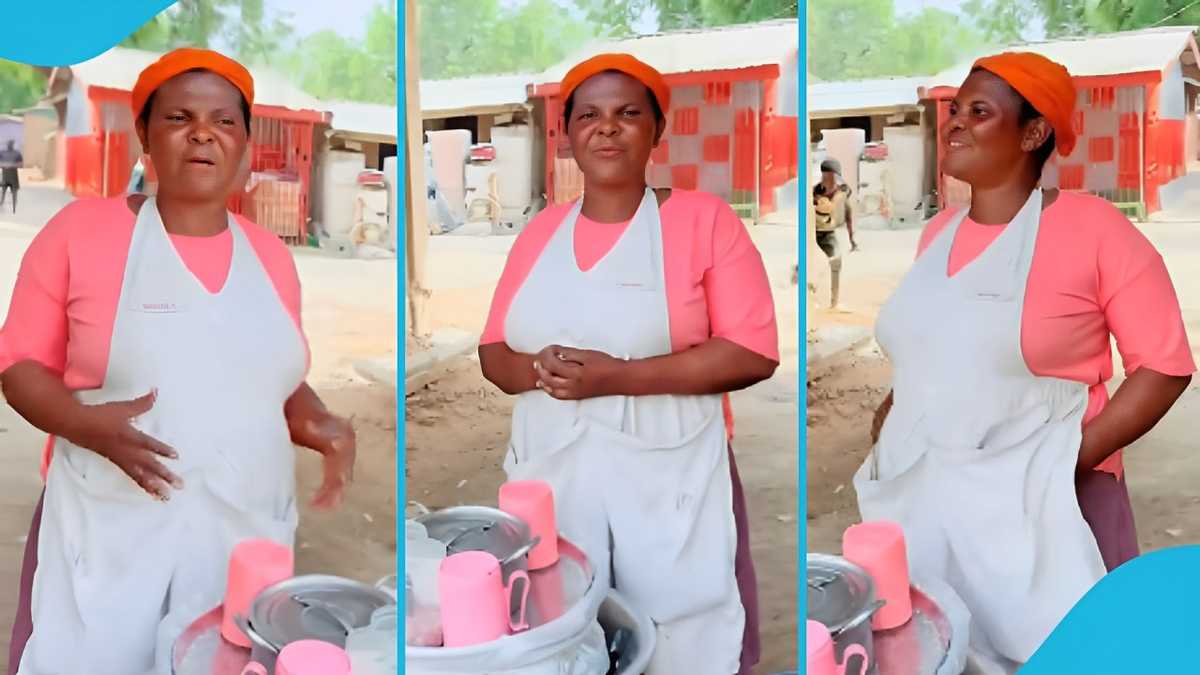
254,565
533,502
878,547
821,657
312,657
475,600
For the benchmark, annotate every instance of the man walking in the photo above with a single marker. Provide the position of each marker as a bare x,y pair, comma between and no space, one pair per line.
831,202
10,161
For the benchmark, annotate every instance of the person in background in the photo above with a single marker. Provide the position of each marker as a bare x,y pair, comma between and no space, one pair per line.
10,181
831,202
998,449
621,322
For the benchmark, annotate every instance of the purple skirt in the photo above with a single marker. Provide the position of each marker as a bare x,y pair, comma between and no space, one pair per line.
743,570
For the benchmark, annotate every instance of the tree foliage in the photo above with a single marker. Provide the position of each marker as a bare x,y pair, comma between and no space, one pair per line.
20,86
532,35
865,39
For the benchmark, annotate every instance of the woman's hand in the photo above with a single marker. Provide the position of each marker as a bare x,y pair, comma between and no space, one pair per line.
312,426
108,430
574,374
335,439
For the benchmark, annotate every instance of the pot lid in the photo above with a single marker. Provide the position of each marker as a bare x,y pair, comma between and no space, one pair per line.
838,590
314,607
477,528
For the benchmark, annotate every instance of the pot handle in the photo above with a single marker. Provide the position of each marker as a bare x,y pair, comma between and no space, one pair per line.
388,585
857,618
520,624
852,651
524,550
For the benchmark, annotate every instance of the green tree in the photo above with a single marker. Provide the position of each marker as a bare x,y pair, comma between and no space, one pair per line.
331,67
21,85
256,38
1006,21
850,40
527,37
617,18
194,23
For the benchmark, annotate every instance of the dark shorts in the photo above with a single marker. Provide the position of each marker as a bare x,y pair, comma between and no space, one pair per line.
828,243
9,178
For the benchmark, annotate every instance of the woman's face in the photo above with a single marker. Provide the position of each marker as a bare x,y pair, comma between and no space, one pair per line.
985,141
196,136
613,129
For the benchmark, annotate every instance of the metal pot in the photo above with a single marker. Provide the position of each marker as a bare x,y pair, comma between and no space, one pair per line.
311,607
841,595
479,528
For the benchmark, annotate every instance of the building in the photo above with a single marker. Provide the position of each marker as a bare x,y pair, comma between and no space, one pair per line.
1136,116
92,100
733,127
869,105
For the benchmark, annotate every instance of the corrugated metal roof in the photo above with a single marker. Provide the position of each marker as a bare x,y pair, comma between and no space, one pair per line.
691,51
824,97
474,93
1138,51
118,68
363,118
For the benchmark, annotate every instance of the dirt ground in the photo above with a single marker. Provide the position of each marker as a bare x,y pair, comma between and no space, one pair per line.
457,428
1162,470
350,314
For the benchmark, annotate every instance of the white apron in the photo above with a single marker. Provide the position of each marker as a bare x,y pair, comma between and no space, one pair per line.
977,457
643,482
119,573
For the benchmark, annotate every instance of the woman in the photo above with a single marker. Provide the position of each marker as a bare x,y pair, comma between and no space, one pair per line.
998,443
620,321
158,342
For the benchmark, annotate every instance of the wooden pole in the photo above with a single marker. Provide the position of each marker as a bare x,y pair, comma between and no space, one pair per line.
417,230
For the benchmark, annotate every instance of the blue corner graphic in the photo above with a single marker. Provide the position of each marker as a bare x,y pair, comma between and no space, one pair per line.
71,31
1138,619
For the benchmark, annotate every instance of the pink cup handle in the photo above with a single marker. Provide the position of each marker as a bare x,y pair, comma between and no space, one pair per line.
254,668
855,650
518,575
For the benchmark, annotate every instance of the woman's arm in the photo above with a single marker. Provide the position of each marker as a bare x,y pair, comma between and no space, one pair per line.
715,366
312,426
881,414
510,371
1140,402
39,396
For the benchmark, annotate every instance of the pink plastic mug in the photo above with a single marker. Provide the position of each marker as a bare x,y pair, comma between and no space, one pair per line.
878,547
312,657
821,657
254,565
533,502
475,601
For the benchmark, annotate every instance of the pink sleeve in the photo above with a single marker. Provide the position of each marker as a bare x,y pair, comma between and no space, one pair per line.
1139,301
36,326
521,258
740,306
935,225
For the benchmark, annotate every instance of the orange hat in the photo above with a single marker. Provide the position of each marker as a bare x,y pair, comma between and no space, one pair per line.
181,61
1045,84
622,63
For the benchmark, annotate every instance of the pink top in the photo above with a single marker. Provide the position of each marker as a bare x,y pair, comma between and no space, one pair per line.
65,299
716,283
1094,274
